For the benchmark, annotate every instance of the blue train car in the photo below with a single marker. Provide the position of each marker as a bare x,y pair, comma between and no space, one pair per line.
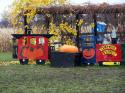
88,44
88,49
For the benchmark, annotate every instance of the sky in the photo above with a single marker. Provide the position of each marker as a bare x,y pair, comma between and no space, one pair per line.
4,4
97,1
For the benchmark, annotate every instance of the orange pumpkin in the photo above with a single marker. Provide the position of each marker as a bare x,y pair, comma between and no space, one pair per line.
39,52
88,53
68,49
24,52
32,53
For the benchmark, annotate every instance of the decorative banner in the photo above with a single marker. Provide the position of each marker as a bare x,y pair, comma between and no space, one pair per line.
89,53
108,52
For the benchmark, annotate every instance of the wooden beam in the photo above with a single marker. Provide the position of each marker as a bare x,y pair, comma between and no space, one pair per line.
78,31
25,24
95,27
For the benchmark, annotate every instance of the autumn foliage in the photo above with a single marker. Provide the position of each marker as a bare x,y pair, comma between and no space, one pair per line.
29,8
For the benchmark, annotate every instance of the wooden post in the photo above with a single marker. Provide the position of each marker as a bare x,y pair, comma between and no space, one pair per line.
78,30
14,48
47,24
25,24
95,27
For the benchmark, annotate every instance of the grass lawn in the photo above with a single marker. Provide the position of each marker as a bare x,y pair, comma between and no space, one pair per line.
45,79
6,56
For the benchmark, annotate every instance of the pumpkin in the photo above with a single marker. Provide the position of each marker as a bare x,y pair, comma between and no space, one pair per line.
88,53
68,49
24,52
38,52
32,53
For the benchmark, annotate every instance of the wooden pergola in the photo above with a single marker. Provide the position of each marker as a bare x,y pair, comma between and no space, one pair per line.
85,9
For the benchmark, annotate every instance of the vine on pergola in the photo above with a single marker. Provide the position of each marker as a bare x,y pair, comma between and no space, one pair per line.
29,8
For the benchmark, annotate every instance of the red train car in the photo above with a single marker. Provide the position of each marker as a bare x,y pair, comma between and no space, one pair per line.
32,46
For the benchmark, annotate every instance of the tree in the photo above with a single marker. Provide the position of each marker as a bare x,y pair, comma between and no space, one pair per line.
28,8
5,20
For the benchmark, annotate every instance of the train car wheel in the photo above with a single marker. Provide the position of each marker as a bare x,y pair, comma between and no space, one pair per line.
100,63
23,61
40,62
85,64
92,64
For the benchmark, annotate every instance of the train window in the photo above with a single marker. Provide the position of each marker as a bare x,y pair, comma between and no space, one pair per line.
33,41
41,41
24,41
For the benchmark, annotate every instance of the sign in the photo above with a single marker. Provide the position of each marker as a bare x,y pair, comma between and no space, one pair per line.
108,52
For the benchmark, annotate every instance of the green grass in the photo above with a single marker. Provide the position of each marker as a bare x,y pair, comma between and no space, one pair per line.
6,56
45,79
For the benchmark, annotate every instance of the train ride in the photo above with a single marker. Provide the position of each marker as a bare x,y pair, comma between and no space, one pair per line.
35,47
